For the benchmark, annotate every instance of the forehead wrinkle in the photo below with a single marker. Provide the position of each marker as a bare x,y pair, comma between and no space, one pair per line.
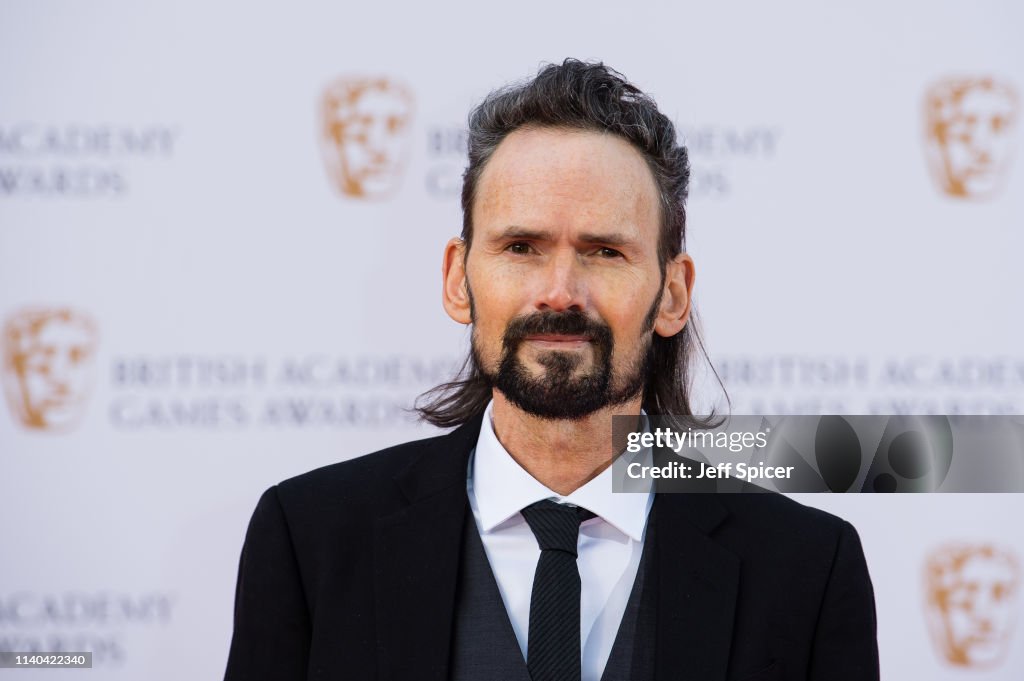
548,178
623,204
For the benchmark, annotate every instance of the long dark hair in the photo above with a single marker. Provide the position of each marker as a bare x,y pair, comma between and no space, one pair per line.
584,96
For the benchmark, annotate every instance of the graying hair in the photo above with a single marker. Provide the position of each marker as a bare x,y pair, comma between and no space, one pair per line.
584,96
579,95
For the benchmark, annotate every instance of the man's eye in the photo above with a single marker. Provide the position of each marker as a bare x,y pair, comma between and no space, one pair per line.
606,252
519,248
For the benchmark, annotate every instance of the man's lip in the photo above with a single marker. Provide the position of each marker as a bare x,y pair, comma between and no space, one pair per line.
558,338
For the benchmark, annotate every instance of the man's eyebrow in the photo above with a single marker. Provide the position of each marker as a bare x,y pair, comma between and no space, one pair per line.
517,232
610,238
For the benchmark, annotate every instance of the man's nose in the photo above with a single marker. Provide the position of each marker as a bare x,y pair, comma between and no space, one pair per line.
563,287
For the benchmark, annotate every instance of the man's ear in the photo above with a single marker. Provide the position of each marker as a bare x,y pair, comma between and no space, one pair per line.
676,296
455,291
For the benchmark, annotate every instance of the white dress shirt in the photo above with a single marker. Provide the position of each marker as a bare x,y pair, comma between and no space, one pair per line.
609,548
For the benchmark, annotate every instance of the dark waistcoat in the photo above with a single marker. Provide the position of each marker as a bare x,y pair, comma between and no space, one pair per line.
484,646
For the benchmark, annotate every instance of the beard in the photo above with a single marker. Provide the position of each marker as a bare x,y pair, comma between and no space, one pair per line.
561,390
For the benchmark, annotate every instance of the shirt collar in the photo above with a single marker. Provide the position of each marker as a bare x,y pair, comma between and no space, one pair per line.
502,488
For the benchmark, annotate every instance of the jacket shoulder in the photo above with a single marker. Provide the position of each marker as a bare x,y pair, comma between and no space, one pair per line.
773,507
348,493
775,523
365,478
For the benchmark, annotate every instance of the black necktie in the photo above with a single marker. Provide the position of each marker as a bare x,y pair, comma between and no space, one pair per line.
553,642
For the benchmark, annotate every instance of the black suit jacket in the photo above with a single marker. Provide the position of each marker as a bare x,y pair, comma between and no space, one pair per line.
349,572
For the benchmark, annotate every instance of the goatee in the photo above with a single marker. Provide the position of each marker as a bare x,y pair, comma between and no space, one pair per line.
561,390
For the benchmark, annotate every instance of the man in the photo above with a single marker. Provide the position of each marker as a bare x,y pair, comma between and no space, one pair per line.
498,551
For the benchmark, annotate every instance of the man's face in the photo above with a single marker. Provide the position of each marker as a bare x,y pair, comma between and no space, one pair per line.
563,273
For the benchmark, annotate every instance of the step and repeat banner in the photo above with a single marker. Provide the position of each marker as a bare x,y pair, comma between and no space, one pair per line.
221,229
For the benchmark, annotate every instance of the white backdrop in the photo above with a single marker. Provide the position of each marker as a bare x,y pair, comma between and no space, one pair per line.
208,313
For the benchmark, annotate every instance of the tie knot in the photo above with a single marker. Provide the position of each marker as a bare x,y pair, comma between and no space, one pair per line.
556,526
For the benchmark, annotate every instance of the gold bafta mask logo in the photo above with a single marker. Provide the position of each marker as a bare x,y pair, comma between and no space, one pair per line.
365,126
969,125
972,603
48,357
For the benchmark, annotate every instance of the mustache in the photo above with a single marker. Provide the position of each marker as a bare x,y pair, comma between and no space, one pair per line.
571,323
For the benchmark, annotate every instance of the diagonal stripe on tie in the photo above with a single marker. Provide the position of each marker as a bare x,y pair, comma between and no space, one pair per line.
553,641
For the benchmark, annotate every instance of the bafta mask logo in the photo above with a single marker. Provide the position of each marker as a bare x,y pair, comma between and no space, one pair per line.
365,127
48,357
969,125
972,603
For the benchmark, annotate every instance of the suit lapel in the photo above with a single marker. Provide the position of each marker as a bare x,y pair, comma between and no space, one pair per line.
418,549
416,557
697,582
